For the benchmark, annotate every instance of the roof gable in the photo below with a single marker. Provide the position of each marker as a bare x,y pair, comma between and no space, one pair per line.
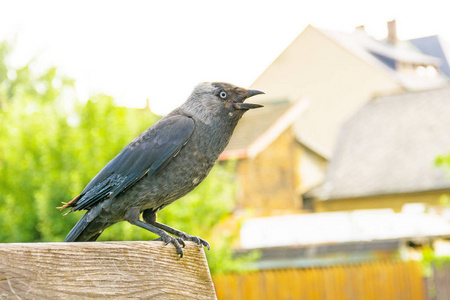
260,127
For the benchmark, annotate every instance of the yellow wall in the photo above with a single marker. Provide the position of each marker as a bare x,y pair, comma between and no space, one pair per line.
311,170
389,201
268,182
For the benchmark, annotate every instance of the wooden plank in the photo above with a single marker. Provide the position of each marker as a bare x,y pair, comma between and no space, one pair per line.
270,281
417,281
295,284
103,269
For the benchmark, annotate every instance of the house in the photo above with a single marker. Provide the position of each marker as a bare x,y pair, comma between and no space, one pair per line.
338,72
266,151
359,155
385,155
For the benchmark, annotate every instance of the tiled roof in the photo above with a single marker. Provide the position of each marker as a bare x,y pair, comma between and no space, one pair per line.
390,146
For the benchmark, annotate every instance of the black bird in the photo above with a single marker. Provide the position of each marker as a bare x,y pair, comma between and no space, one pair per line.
161,165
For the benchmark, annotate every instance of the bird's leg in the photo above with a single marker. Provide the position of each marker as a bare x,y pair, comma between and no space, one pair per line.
150,217
182,235
162,234
130,216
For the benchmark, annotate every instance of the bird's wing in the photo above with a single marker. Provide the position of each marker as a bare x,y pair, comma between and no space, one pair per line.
147,154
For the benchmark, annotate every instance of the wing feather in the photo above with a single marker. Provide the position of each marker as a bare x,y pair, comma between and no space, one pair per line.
147,154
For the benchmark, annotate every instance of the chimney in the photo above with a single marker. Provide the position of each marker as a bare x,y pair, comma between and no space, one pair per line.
392,31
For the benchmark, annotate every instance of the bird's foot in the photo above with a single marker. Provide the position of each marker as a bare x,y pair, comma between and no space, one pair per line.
199,241
177,242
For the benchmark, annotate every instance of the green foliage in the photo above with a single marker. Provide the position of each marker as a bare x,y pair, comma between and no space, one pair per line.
443,161
51,147
44,160
21,84
429,259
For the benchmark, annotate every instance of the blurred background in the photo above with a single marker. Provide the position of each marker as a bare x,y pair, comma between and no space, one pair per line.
338,189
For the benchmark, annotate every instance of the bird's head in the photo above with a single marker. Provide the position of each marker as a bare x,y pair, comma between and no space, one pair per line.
233,96
214,98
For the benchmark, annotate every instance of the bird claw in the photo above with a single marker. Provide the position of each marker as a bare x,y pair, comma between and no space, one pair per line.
177,242
195,239
182,243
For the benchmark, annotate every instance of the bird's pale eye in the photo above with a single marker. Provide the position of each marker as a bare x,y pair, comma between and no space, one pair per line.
223,95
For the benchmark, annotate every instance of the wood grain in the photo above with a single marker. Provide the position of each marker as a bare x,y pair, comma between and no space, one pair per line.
121,270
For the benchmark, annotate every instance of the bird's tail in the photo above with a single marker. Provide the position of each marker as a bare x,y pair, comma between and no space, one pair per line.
85,230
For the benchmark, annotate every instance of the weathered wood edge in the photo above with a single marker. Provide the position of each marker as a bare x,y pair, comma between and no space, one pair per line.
104,269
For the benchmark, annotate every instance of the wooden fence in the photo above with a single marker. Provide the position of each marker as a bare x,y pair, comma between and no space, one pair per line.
105,270
379,280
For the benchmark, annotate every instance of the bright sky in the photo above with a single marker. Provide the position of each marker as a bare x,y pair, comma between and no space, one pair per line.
134,50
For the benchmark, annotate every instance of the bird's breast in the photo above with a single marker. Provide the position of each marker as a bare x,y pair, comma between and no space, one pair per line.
187,169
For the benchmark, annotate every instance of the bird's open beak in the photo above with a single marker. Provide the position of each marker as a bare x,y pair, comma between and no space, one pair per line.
245,106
